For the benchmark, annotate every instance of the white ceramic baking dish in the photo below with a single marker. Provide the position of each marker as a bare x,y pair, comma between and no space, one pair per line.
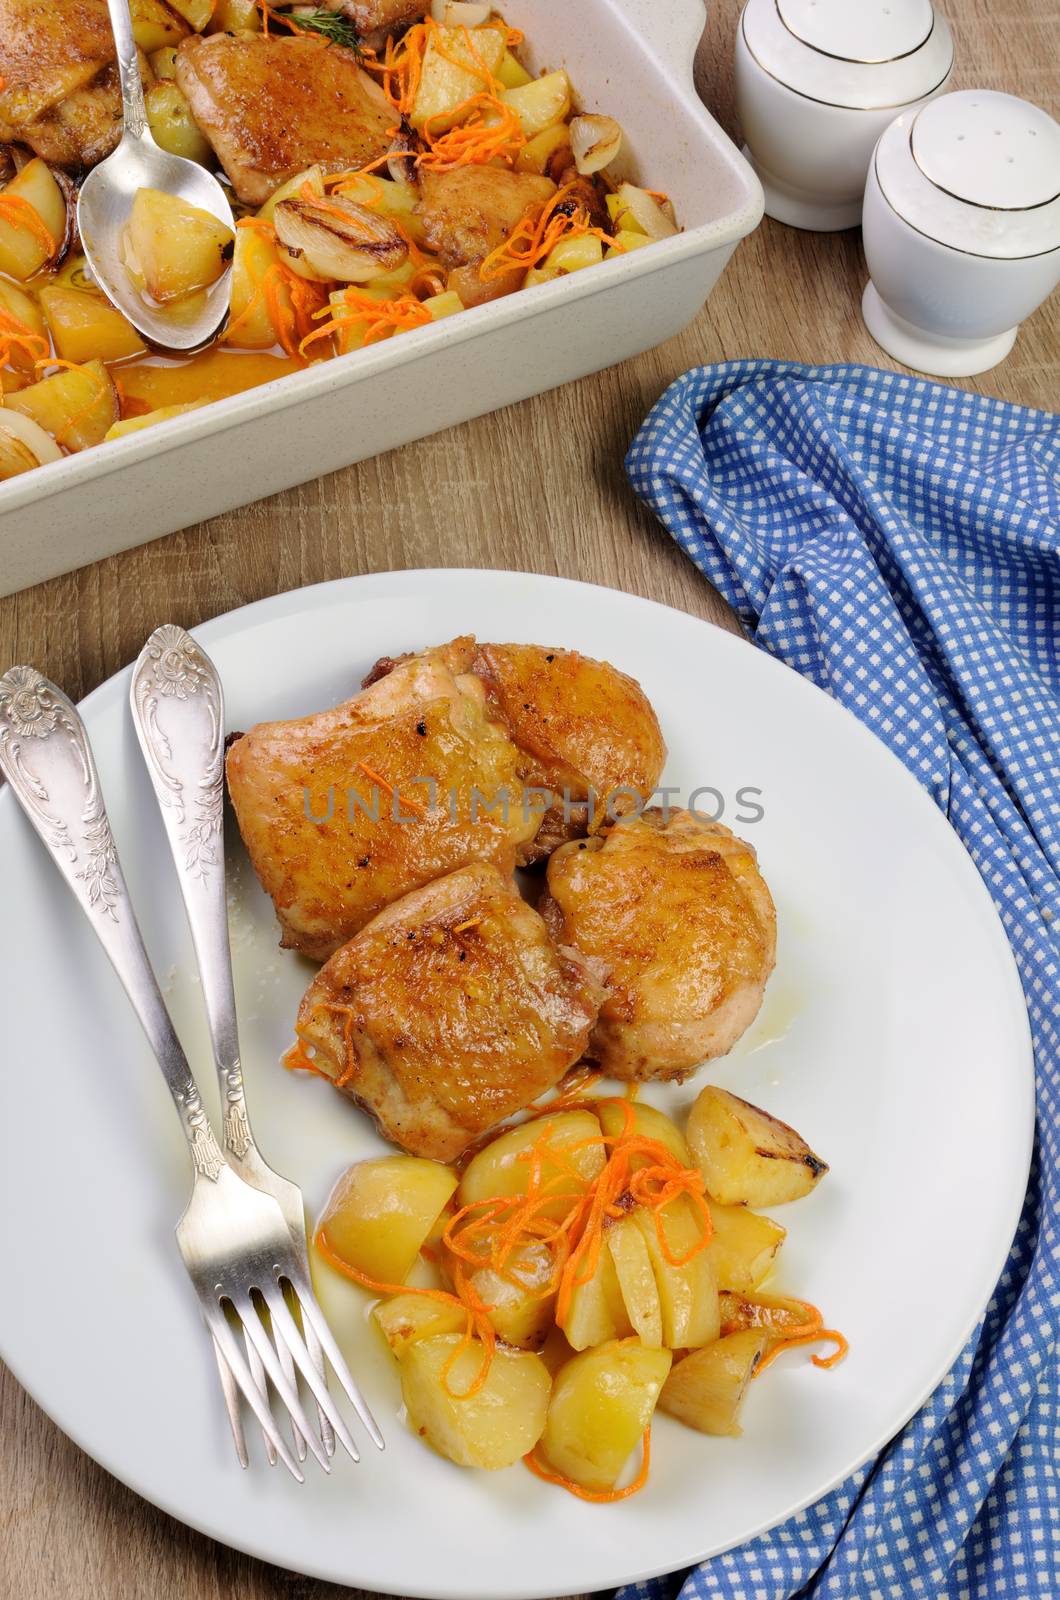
632,58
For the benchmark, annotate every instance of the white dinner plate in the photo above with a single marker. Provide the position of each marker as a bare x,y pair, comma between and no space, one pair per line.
893,1036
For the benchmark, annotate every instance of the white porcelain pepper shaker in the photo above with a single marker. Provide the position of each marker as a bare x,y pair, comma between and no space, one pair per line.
817,81
961,230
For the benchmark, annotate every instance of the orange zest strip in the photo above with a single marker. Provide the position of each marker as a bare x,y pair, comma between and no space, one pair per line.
597,1497
17,212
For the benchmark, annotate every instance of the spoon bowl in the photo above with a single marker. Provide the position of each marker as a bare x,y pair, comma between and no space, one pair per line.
105,204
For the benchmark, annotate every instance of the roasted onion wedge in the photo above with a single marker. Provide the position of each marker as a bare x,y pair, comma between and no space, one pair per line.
335,239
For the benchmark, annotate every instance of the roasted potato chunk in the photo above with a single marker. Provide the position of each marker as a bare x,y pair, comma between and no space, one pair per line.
684,1277
746,1156
491,1429
503,1167
602,1401
707,1388
404,1318
636,1279
380,1212
597,1311
171,248
520,1305
76,406
648,1123
743,1248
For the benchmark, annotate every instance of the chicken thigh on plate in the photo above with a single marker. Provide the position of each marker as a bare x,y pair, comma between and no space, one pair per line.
450,1011
683,918
345,811
582,727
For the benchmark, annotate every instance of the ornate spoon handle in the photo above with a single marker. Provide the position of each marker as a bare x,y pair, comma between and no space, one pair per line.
46,758
178,711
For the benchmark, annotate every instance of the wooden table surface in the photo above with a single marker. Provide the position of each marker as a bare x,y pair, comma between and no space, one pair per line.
67,1529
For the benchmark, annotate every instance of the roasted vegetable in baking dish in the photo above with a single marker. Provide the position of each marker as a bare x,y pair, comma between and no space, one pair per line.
393,164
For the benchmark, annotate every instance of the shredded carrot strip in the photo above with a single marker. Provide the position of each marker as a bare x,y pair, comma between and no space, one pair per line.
17,212
291,301
14,333
842,1346
595,1496
381,318
335,179
377,777
537,233
488,128
472,922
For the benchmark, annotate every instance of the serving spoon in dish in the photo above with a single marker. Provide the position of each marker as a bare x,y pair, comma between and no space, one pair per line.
105,205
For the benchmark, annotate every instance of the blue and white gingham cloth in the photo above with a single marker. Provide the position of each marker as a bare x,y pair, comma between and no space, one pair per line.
899,543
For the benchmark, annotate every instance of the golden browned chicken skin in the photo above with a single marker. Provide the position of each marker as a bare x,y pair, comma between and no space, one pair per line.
375,19
450,1011
59,89
684,920
469,212
328,878
583,728
273,106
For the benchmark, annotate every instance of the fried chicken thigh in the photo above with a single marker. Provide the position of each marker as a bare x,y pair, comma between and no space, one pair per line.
375,19
581,725
273,106
450,1011
683,918
380,832
59,89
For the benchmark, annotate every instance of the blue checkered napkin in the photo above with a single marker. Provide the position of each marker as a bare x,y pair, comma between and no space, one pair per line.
899,543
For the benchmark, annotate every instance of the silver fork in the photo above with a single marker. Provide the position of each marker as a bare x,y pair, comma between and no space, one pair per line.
234,1240
178,712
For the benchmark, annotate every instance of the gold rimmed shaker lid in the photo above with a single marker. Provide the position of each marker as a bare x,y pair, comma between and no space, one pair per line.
860,55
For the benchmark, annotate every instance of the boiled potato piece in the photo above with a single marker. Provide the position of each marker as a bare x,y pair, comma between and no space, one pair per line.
155,25
380,1212
76,406
405,1318
511,72
540,103
625,241
236,16
537,152
491,1429
597,1310
164,62
602,1401
746,1156
521,1312
636,1279
443,305
570,255
83,325
498,1169
173,126
453,71
688,1294
196,13
292,190
21,314
173,248
32,221
250,324
707,1388
119,430
648,1123
743,1248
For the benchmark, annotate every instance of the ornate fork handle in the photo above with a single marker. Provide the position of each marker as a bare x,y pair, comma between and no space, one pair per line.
46,758
178,711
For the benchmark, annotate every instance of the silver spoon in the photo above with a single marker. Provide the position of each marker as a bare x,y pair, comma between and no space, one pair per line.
105,202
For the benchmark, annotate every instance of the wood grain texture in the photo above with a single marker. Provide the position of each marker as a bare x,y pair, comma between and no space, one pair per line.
538,487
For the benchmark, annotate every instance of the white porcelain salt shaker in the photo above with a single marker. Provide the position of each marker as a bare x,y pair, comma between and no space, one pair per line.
817,81
961,230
